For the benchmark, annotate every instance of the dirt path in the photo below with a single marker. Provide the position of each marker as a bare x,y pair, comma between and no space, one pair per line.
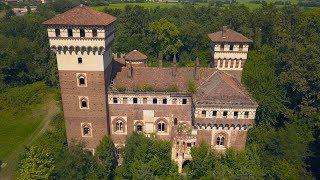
7,173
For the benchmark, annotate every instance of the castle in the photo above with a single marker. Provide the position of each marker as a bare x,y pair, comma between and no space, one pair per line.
103,94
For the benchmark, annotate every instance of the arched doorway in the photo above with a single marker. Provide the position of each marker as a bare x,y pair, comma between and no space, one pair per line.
186,166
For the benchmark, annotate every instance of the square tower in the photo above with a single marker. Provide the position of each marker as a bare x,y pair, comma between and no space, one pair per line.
229,49
81,38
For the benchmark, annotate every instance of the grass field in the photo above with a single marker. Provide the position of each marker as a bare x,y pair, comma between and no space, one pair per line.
167,5
24,111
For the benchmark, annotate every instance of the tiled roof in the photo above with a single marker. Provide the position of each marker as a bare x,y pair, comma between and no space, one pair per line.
215,87
228,35
81,16
222,89
135,55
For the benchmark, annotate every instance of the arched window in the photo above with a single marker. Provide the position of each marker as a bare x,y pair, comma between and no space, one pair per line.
119,126
84,104
220,140
82,80
86,130
161,126
139,128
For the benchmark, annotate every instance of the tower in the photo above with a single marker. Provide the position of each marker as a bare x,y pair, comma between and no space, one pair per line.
229,49
82,39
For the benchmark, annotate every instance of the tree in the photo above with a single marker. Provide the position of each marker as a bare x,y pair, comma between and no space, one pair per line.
165,36
106,158
38,163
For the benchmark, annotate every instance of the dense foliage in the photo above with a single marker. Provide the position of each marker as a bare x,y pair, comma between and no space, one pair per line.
147,158
282,74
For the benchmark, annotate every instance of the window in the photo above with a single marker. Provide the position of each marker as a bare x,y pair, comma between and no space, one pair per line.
235,114
221,47
125,100
79,60
145,100
94,33
174,101
184,101
246,114
57,31
188,144
86,129
220,140
119,126
231,47
203,113
225,114
177,154
70,33
214,113
175,121
240,47
84,103
135,100
115,100
177,142
82,33
164,101
139,128
161,127
154,101
82,80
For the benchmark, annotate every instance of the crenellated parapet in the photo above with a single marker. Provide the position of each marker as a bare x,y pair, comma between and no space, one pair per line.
209,126
79,50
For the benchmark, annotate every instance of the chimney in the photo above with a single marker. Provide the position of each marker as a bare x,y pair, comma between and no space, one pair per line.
160,58
224,30
130,70
195,74
174,69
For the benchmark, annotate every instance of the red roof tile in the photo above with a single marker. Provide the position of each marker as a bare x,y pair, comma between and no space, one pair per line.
228,35
135,56
81,16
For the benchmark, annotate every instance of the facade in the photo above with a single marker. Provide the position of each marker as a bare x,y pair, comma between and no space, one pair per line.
118,96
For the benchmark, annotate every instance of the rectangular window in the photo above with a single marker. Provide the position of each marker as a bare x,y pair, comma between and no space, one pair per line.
222,47
214,113
145,100
135,100
70,33
225,114
231,47
240,47
79,60
184,101
94,33
57,31
188,144
154,101
203,113
82,33
164,101
174,101
115,100
125,100
235,114
246,114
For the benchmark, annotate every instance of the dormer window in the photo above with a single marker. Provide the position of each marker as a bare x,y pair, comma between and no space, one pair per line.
94,33
70,33
82,33
57,31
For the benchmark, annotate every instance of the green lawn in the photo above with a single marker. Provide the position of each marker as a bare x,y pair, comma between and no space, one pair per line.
22,111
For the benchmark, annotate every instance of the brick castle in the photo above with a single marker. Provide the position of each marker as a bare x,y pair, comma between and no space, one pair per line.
104,94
